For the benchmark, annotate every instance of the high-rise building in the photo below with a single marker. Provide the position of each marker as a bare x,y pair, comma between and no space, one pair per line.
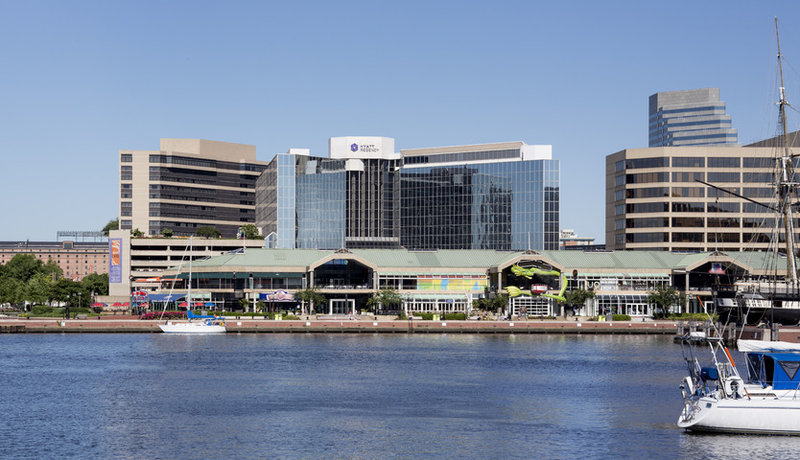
501,196
654,202
188,183
348,199
689,117
364,195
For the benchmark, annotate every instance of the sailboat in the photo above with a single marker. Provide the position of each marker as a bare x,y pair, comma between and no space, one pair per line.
195,324
765,399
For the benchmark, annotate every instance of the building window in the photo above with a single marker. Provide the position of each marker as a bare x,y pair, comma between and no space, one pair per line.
688,162
723,162
125,158
688,207
723,177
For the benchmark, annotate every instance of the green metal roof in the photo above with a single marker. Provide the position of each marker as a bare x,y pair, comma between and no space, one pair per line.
462,261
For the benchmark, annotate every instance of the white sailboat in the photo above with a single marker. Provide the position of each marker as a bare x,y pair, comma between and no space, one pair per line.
718,399
765,399
195,324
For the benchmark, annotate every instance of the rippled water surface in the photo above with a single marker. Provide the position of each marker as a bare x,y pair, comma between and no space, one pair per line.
351,396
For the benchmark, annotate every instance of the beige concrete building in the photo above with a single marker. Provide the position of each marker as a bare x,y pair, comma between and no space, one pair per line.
143,260
186,184
654,202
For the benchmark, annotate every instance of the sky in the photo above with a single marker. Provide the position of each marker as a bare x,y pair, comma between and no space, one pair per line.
81,80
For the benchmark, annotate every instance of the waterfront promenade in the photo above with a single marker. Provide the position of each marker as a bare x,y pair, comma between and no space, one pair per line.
133,324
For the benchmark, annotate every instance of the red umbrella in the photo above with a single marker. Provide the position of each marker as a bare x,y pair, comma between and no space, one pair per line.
116,304
124,304
183,304
99,304
199,304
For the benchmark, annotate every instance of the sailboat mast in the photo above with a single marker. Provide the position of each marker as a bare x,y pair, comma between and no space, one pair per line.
787,186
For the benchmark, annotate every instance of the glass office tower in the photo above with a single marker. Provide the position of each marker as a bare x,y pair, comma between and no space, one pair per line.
491,196
689,117
301,201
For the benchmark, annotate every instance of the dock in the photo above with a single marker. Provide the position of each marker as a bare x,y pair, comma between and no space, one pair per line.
242,325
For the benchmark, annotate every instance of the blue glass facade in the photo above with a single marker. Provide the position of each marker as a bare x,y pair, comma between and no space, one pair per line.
321,210
315,202
504,206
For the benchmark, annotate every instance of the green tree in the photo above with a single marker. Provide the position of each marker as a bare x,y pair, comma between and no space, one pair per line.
38,289
384,298
66,290
137,233
95,283
310,296
167,232
578,297
663,297
111,225
52,269
22,267
250,232
208,231
11,290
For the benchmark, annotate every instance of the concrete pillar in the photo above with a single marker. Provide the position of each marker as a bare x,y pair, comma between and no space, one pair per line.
686,306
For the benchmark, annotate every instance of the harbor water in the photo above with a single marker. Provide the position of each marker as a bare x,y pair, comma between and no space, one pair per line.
351,396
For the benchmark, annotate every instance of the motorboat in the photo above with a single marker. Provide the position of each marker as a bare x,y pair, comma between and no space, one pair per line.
717,398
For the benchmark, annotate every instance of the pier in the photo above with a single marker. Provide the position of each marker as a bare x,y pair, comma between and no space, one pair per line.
234,325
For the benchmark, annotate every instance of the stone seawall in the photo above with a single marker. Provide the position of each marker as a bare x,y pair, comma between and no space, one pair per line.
35,325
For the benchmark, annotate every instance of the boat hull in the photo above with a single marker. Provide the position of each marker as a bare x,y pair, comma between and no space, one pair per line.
192,328
745,416
754,316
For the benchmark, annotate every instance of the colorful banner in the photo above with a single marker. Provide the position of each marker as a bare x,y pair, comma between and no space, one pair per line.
115,260
277,296
451,284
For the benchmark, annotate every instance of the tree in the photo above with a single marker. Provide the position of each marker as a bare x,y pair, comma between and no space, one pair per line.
11,290
208,231
384,298
578,297
96,283
137,233
52,269
664,297
38,289
250,232
64,290
22,267
310,296
167,232
111,225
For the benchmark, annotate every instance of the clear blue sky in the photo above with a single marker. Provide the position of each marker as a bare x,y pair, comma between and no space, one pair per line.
81,80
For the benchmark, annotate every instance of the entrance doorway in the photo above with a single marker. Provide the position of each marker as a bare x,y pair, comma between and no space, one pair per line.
342,306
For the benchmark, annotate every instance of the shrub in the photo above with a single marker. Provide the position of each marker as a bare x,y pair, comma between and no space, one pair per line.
455,316
424,315
693,317
42,310
616,317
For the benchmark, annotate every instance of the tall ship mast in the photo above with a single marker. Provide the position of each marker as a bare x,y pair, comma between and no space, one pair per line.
786,184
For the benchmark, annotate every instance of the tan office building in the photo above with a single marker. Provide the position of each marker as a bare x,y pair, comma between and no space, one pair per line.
187,184
654,202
